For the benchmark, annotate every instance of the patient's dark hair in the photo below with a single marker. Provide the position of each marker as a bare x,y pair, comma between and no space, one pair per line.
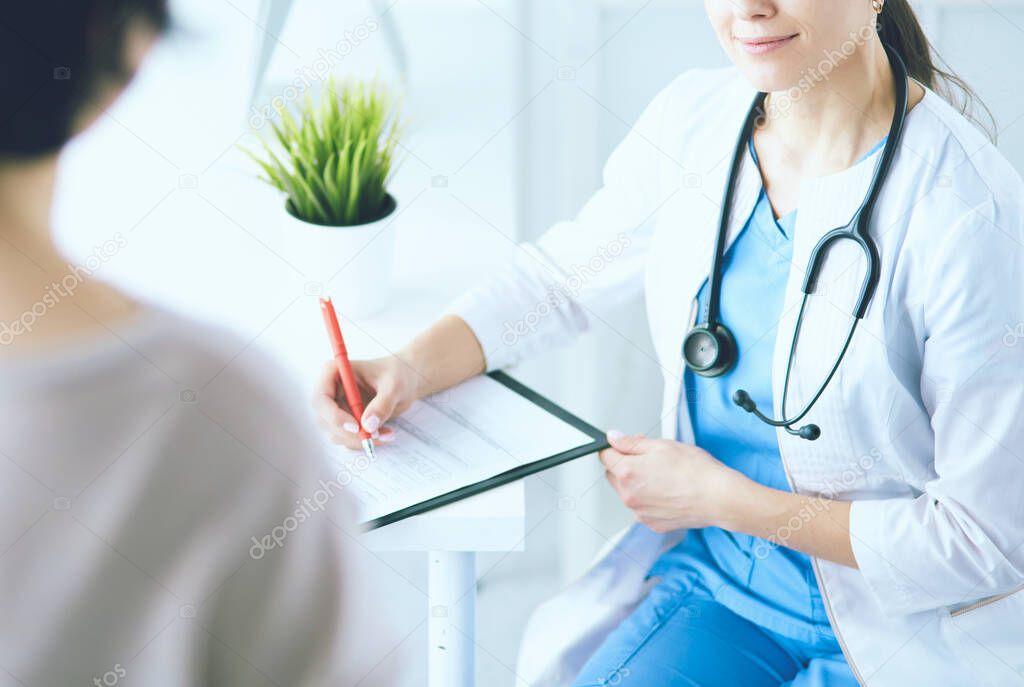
54,57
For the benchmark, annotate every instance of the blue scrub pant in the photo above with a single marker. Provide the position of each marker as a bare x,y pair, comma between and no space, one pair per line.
676,639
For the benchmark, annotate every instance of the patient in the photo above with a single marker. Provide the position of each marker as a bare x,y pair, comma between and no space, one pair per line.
163,520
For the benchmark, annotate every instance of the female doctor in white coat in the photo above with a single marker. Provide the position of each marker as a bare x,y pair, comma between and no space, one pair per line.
853,498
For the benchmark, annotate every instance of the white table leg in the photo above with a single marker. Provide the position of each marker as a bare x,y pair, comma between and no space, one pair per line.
451,585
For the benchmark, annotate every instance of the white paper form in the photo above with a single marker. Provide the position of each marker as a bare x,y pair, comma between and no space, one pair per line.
458,437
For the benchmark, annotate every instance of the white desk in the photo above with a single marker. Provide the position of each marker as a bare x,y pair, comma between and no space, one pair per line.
451,536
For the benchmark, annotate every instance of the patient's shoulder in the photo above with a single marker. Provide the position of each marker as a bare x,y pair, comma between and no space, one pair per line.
198,418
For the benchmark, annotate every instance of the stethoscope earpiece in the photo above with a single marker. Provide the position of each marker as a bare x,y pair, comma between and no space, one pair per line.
809,432
741,398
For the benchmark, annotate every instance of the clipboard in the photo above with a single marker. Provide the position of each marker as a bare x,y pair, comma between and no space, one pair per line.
598,442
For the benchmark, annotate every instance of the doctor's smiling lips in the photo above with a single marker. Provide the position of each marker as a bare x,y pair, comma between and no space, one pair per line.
765,44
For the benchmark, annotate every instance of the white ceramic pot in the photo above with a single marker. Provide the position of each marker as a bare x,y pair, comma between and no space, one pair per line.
352,264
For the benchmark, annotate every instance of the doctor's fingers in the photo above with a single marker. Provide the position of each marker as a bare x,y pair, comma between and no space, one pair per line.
620,466
632,444
335,420
329,414
388,400
328,398
628,489
348,433
610,458
614,482
342,437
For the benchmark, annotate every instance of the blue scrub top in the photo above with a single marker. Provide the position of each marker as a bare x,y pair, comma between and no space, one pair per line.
772,586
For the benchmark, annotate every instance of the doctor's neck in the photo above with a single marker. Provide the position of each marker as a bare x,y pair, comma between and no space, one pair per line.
841,115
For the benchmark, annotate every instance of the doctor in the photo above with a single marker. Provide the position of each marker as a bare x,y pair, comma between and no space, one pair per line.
834,278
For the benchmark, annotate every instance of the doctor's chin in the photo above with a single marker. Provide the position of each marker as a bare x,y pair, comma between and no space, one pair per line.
511,343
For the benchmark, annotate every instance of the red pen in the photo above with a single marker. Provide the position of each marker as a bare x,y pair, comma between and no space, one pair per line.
348,378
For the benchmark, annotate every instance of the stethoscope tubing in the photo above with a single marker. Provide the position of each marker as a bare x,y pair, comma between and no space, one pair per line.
856,230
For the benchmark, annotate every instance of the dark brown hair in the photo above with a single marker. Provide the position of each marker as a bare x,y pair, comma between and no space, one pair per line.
899,27
54,56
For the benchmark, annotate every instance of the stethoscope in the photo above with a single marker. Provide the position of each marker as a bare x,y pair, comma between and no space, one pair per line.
710,349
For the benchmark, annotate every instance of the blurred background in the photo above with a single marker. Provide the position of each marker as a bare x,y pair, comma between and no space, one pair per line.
514,105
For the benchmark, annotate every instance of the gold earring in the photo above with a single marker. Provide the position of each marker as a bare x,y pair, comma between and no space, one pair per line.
877,5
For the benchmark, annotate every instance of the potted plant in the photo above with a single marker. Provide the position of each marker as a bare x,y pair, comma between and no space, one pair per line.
333,161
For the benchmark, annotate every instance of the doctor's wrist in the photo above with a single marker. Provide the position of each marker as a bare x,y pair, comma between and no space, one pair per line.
444,355
740,503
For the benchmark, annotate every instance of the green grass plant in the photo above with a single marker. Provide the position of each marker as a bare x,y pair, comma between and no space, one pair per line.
334,159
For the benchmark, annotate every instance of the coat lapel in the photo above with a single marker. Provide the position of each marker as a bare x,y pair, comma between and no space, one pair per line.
825,204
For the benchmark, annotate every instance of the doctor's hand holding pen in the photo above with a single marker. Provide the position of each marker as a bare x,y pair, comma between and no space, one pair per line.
441,357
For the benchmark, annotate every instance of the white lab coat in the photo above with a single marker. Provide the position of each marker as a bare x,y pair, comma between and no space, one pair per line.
921,427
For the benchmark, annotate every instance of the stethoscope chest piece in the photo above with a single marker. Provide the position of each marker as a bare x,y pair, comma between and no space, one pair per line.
709,351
